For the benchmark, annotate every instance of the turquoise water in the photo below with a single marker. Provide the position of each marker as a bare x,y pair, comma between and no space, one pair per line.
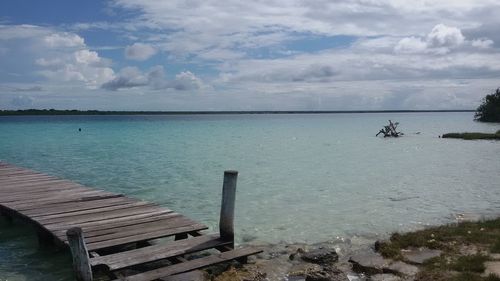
303,178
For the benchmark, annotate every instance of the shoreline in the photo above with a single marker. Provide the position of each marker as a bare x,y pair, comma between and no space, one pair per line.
338,260
54,112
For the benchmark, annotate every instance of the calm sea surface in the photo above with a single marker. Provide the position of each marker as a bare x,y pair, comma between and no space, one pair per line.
303,178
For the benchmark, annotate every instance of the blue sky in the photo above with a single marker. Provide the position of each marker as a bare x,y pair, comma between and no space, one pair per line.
244,55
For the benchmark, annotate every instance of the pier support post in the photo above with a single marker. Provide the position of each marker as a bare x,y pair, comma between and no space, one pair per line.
81,262
226,223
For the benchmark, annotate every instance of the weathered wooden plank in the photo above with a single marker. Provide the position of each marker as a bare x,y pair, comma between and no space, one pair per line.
25,179
54,201
104,215
105,223
116,233
21,177
44,194
52,187
62,195
158,252
144,237
191,265
100,227
75,206
171,220
108,219
4,174
37,186
70,213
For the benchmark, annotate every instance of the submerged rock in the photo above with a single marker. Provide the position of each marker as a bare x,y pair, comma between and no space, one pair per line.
420,255
384,277
402,268
327,273
369,263
321,256
372,263
492,267
302,269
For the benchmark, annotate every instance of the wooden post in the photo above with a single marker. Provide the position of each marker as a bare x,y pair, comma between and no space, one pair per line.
81,263
226,223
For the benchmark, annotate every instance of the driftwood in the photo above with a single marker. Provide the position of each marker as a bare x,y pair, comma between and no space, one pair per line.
390,130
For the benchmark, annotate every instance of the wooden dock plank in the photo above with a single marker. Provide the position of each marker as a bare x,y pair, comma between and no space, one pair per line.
75,206
137,229
69,212
191,265
19,206
99,220
144,237
102,224
158,252
101,216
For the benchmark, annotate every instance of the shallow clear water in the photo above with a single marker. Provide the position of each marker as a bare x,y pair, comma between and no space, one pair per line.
303,178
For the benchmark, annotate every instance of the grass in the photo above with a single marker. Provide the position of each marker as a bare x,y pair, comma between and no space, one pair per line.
495,248
444,237
452,265
472,263
443,276
474,136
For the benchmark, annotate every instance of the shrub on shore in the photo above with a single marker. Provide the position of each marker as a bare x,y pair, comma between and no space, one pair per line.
489,110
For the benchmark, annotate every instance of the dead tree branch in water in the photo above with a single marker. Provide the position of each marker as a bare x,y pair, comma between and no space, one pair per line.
390,130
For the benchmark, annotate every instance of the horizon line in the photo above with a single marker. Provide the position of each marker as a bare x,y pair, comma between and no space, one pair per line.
209,112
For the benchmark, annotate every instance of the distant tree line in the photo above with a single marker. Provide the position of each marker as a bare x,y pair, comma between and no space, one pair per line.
99,112
50,112
489,110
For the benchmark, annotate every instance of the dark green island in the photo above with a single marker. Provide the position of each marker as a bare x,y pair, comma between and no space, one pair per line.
473,136
488,111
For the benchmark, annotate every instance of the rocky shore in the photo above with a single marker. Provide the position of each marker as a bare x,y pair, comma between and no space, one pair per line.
466,251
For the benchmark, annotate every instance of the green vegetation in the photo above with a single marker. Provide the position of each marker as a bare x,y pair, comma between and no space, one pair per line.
455,263
495,248
473,136
489,110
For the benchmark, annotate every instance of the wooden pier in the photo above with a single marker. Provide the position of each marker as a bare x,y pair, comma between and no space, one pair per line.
109,232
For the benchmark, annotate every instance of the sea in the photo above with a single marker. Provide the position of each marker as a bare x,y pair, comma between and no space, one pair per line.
303,178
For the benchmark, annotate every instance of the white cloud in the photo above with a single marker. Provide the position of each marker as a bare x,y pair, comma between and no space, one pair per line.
23,31
411,45
482,43
129,77
87,57
83,65
57,56
63,39
258,55
186,81
154,79
441,40
197,27
139,51
445,36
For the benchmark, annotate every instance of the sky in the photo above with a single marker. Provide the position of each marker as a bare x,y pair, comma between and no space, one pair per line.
248,55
